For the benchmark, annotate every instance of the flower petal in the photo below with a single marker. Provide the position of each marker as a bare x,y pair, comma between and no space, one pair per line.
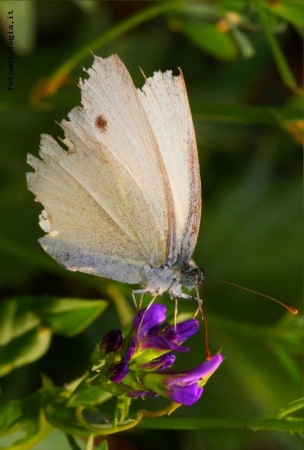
118,371
160,363
201,372
187,329
148,318
185,395
160,343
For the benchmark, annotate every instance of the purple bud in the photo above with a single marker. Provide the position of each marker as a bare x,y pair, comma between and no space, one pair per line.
117,371
135,394
161,363
112,341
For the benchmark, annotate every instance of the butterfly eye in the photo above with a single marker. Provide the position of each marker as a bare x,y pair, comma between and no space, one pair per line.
192,277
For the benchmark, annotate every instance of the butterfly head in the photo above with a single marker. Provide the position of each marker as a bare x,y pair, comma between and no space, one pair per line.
192,277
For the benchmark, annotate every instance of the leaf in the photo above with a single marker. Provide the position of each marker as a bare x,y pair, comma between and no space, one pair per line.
15,320
24,349
290,11
87,6
24,31
277,53
10,416
208,38
242,41
102,446
288,119
27,324
70,316
24,415
52,84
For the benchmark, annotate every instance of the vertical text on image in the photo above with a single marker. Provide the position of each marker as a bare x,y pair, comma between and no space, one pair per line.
10,47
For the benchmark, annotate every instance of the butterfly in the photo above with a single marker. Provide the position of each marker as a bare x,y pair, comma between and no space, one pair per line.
123,199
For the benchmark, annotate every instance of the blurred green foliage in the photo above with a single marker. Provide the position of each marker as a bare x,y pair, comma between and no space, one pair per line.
242,61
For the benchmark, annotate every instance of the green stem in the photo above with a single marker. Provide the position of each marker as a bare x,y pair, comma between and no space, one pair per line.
60,75
277,53
292,425
290,408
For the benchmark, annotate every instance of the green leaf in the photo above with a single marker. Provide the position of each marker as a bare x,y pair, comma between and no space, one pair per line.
70,316
24,30
56,80
27,324
245,114
211,40
90,395
10,417
296,405
242,41
102,446
291,11
277,53
87,6
24,349
24,415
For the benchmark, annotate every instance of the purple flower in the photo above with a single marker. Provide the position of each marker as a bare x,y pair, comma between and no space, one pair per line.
137,365
152,333
148,318
183,387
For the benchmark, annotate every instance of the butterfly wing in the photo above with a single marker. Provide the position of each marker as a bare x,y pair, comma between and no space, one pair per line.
106,203
165,100
126,193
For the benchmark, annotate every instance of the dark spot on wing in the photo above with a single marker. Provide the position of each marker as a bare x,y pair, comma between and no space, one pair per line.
101,123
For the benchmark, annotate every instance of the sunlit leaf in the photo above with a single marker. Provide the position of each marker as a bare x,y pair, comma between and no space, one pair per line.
291,11
277,53
70,316
28,324
24,349
87,6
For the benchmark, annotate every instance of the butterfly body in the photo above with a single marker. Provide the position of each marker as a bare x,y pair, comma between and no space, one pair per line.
157,280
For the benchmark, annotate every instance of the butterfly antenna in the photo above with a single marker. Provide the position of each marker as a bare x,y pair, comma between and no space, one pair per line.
289,308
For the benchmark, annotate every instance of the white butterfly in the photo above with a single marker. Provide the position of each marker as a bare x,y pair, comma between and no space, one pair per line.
124,200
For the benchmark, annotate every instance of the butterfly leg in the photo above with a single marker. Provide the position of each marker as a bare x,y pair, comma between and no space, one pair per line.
196,299
149,306
142,292
175,310
199,304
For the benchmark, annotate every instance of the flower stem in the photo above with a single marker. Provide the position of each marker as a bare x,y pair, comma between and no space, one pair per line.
292,425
